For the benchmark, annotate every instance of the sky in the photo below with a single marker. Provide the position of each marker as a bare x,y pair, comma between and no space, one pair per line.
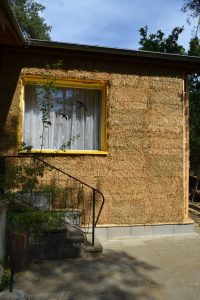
113,23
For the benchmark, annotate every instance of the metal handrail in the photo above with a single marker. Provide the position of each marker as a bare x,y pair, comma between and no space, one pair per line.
94,190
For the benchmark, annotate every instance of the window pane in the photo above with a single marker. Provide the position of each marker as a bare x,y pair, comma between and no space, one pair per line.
64,119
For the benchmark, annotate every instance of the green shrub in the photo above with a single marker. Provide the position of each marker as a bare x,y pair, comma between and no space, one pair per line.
5,280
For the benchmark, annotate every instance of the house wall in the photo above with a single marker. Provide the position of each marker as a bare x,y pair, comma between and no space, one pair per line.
142,176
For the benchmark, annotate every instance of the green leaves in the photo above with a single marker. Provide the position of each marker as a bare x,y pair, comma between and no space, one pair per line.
28,15
67,144
158,43
192,7
5,280
23,147
32,219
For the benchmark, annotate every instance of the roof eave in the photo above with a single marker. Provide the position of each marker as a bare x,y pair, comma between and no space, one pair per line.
192,62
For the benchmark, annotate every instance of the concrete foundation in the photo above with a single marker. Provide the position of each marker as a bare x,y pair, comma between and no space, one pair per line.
141,231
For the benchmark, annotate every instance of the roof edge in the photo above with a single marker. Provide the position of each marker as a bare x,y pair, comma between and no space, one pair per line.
114,51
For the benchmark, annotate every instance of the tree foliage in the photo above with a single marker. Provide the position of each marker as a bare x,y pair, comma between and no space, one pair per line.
27,13
192,7
158,43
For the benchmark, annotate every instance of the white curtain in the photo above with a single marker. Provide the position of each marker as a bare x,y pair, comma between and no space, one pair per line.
74,116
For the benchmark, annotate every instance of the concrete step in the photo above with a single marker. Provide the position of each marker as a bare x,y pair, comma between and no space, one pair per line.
194,206
58,244
194,213
63,243
95,250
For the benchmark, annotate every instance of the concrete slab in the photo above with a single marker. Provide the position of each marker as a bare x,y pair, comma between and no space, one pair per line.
116,232
14,295
140,269
101,233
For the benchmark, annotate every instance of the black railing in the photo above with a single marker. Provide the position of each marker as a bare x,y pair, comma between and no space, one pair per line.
46,187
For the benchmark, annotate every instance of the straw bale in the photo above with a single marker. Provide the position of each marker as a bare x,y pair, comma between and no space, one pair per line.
127,80
123,96
173,77
164,165
132,213
132,149
165,146
169,187
165,85
166,98
171,123
162,213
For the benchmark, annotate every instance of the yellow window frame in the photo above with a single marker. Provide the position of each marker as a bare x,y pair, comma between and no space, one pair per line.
90,84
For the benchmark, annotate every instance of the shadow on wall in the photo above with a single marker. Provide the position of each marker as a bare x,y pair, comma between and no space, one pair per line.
2,231
9,112
9,138
114,276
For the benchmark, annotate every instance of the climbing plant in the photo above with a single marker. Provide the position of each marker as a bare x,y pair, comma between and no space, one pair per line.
44,92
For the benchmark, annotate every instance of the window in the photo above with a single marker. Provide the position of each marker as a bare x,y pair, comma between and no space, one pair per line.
64,117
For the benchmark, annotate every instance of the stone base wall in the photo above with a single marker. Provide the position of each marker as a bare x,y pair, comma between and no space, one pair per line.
143,231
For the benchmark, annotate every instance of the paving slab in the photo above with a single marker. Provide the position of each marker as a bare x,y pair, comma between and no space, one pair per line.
137,269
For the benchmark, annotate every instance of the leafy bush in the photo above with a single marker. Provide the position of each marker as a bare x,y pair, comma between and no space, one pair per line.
5,280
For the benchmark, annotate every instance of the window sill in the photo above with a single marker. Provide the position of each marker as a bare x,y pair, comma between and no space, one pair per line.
67,152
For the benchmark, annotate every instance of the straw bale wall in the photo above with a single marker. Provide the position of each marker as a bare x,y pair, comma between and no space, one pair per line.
142,177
